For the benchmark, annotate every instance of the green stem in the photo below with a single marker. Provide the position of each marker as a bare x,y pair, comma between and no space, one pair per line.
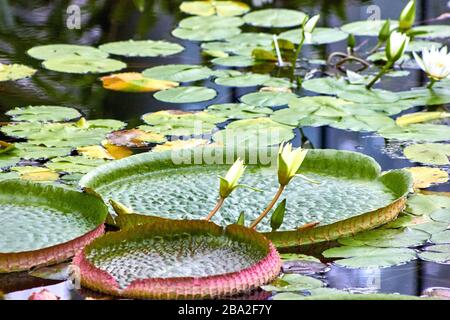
383,71
431,84
216,209
269,207
297,55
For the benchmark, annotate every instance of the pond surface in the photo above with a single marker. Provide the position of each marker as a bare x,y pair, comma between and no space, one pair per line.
24,24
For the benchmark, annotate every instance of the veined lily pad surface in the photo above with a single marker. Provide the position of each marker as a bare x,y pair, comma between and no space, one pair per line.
178,260
45,224
350,185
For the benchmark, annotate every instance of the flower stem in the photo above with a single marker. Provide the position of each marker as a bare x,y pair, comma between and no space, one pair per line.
296,56
269,207
383,71
431,84
216,209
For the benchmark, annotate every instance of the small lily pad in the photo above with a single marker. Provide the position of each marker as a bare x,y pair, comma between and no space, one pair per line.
417,132
142,48
268,99
387,238
134,138
220,8
243,80
293,282
52,51
356,93
319,36
441,237
186,95
421,204
441,215
426,97
235,61
434,31
13,72
328,85
438,253
367,27
237,111
74,164
83,65
205,34
43,114
178,72
208,22
275,18
428,153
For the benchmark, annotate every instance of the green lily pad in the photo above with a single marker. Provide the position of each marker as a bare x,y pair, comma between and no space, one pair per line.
350,185
328,85
367,27
83,65
387,238
252,39
441,237
369,121
186,95
178,72
417,132
237,111
43,114
441,215
205,34
419,45
426,97
257,132
360,94
208,22
438,253
319,36
127,260
34,152
434,31
142,48
209,8
235,61
13,72
52,51
428,153
9,175
268,99
74,164
275,18
293,282
44,224
370,257
421,204
9,159
243,80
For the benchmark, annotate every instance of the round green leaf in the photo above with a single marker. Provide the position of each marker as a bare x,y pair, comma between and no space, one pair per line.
367,27
209,8
43,114
142,48
428,153
178,72
417,132
268,99
360,94
319,36
434,31
235,61
275,18
328,85
83,65
12,72
186,95
205,34
237,111
53,51
210,22
243,80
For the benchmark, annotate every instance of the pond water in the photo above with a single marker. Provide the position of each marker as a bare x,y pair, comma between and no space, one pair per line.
24,24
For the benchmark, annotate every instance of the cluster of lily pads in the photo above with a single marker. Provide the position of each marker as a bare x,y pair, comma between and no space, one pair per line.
343,199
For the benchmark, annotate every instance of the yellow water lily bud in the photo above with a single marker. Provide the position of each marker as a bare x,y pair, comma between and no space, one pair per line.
408,16
289,162
231,180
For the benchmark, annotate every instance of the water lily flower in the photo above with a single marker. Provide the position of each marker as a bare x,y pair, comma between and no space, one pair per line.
289,161
396,46
231,180
435,63
408,16
43,295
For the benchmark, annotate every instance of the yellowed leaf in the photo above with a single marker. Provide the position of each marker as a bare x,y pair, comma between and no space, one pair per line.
419,117
95,152
36,174
134,138
424,177
135,82
275,89
118,152
180,144
6,147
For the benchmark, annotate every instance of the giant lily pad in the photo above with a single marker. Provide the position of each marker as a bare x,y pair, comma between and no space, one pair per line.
178,260
178,72
143,48
43,114
12,72
83,65
351,196
275,18
209,8
52,51
186,95
45,224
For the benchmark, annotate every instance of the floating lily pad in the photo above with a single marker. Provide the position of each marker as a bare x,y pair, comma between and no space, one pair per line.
134,138
52,51
387,238
328,85
36,174
419,45
186,95
434,31
421,204
426,97
268,99
350,185
428,153
441,215
367,27
243,80
226,261
424,177
360,94
441,237
205,34
135,82
437,253
237,111
370,257
417,132
74,164
43,114
235,61
83,65
178,72
208,22
220,8
13,72
293,282
275,18
44,224
180,144
319,36
142,48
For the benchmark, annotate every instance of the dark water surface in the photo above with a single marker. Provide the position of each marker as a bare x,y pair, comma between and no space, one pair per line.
24,24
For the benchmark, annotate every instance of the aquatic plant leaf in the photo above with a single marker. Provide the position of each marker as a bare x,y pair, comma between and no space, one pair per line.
8,175
387,238
13,72
419,117
135,82
243,80
109,124
328,85
117,152
237,111
370,121
357,93
438,253
225,261
275,18
252,39
74,164
142,48
441,215
367,27
205,34
369,257
319,36
293,282
419,45
8,159
417,132
43,114
235,61
220,8
94,152
134,138
433,31
52,51
358,296
36,174
424,177
268,99
6,147
441,237
207,22
181,117
426,97
421,204
428,153
83,65
178,72
180,144
186,95
43,224
257,132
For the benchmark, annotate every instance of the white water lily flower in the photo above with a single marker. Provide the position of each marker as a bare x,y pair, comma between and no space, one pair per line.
230,182
396,45
309,27
435,62
289,161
